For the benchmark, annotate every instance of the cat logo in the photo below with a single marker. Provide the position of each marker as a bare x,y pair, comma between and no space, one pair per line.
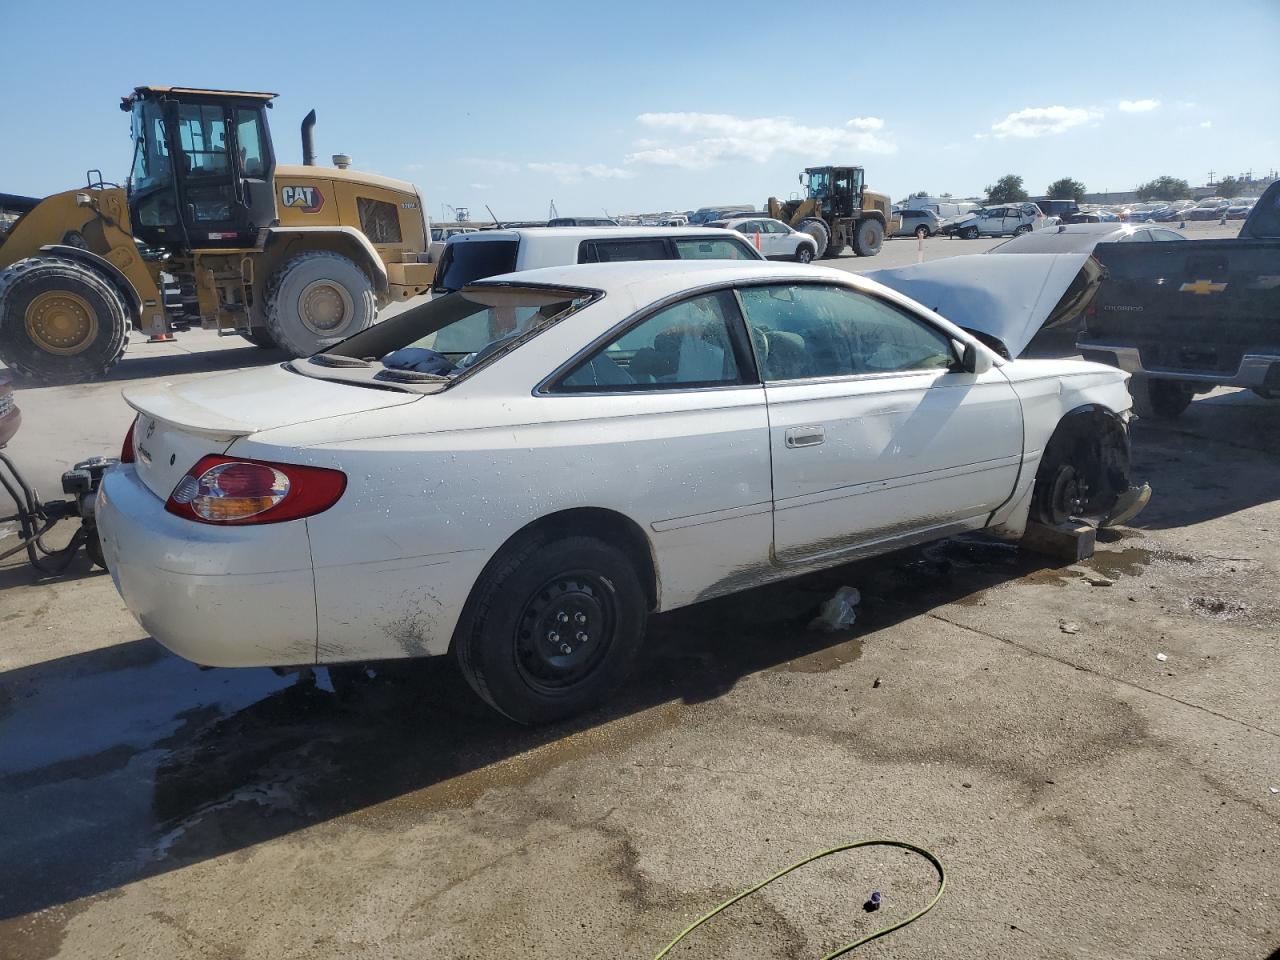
306,199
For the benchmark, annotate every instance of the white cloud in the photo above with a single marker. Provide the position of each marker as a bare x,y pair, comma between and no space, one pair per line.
1138,106
480,186
1043,121
415,166
720,137
573,172
1206,124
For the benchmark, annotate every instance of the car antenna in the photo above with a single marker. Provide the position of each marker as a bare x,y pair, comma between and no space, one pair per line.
496,222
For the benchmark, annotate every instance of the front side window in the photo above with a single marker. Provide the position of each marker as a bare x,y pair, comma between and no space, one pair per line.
202,133
716,248
800,331
684,346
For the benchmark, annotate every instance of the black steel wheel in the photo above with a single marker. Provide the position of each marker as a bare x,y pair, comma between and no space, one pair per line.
551,627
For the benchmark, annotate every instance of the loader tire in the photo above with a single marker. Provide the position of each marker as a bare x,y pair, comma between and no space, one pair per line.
261,337
868,238
316,300
61,321
820,232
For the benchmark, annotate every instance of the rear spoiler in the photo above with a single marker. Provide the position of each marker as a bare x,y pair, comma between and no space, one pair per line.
159,403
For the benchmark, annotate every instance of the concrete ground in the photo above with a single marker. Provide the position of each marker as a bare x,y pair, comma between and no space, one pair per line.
1089,799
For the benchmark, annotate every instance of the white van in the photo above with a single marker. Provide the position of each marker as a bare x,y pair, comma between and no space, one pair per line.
474,256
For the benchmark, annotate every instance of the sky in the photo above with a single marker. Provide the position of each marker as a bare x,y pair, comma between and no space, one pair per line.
661,105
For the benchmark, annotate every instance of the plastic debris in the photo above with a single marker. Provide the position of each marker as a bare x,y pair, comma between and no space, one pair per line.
1162,657
1067,626
873,902
1274,789
838,612
1098,580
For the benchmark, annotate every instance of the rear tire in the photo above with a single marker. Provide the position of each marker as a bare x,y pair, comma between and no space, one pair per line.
1158,399
1020,230
317,299
61,321
538,599
922,232
868,238
261,337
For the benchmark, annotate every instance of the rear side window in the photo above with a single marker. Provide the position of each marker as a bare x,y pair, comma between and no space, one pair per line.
684,346
464,263
714,249
615,251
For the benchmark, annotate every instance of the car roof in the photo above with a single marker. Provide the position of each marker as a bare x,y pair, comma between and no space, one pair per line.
585,233
649,280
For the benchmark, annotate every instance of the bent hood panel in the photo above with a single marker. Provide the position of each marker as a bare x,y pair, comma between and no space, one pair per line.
1006,296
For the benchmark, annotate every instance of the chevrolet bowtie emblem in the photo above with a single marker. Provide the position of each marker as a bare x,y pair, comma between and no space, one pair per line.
1202,287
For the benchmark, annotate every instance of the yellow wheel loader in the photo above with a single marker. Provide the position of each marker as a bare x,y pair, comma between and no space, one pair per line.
209,229
837,211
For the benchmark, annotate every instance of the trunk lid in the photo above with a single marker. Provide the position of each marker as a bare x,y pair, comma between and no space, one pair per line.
178,423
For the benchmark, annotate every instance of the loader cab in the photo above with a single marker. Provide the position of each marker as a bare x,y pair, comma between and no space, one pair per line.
203,167
838,189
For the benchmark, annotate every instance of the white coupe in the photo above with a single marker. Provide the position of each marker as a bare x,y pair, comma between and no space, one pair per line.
520,472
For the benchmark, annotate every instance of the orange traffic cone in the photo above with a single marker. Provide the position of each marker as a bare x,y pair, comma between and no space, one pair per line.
161,338
757,240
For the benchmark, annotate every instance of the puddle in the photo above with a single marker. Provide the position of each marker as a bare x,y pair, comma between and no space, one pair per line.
1132,561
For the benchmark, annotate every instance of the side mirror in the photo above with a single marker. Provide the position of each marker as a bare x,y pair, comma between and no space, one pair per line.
974,360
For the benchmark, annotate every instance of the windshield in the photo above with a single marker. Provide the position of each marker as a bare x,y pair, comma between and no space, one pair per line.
451,334
819,184
151,166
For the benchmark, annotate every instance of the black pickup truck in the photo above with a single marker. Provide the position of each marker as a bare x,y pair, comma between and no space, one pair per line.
1184,318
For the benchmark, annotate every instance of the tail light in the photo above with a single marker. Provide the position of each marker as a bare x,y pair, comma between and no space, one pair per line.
231,490
126,450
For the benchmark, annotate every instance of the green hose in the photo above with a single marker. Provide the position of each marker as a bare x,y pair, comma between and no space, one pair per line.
839,951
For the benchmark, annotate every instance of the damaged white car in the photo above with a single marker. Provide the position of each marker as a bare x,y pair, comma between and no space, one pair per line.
520,472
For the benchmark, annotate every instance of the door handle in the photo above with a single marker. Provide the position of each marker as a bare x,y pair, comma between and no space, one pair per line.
805,436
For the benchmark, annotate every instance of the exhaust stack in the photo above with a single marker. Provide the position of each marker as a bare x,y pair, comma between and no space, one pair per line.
308,142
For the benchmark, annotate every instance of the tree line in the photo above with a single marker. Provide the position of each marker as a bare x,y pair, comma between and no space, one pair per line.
1009,189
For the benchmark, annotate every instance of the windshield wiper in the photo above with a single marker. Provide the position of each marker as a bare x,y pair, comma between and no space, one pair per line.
337,360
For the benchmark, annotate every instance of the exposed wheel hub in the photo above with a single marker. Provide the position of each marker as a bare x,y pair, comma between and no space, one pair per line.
564,630
324,306
1070,494
61,322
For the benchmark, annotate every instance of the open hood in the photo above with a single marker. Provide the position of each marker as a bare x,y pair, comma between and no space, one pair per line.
1006,296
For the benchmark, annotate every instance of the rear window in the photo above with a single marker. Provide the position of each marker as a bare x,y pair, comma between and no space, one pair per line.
467,262
714,248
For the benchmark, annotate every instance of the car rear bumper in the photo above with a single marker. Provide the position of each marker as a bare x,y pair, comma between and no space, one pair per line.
219,596
1254,371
